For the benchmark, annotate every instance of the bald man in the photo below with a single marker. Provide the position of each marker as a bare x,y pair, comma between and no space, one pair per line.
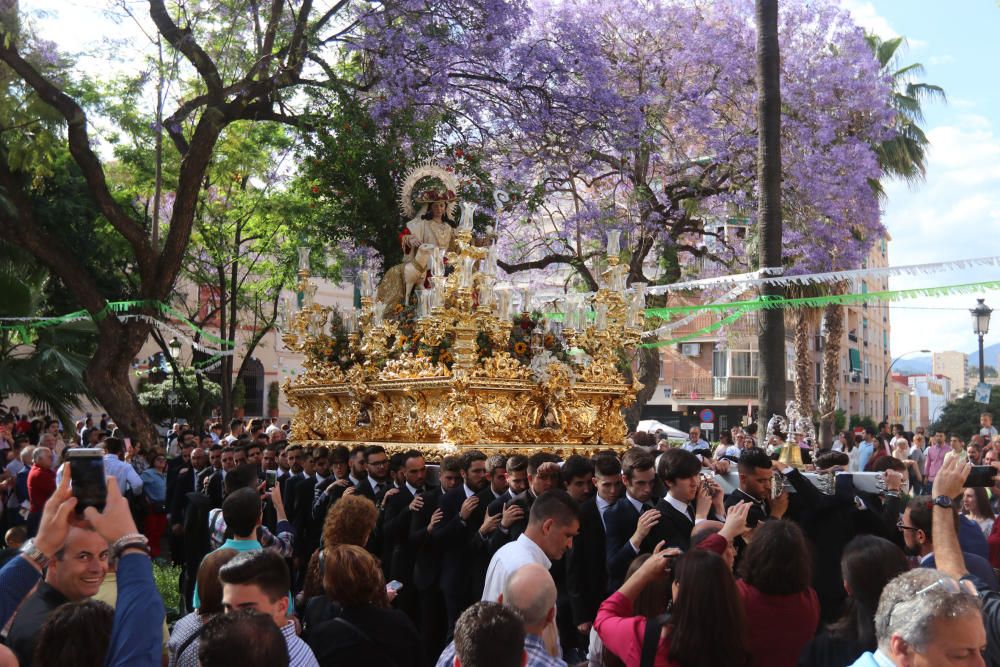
531,592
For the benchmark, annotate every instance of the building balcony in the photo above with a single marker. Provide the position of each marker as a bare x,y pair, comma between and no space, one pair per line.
709,388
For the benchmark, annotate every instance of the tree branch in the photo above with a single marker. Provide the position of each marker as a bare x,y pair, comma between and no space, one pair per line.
183,40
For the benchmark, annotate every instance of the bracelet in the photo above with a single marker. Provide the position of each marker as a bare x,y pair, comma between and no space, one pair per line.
129,541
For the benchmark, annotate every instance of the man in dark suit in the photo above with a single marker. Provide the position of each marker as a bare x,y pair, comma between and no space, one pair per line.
296,457
327,493
577,479
543,475
689,499
462,516
586,563
630,520
517,482
185,482
398,555
216,487
427,551
307,531
756,476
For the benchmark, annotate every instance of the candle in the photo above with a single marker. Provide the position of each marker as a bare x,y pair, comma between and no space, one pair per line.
468,210
601,321
378,310
304,258
526,293
490,263
614,242
485,292
437,262
466,272
503,303
365,284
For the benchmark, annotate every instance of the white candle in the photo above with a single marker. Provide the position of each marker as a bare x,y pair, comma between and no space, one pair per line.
614,242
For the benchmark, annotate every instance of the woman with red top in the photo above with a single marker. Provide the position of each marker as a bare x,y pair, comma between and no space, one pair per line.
706,624
782,609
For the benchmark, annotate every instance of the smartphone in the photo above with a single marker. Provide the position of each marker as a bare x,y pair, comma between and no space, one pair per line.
270,478
128,444
86,471
394,585
981,476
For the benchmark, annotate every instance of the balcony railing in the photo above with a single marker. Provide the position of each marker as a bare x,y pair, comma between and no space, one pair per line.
714,388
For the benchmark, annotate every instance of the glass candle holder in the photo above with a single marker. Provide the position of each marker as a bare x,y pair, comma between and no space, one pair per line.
614,242
304,258
468,210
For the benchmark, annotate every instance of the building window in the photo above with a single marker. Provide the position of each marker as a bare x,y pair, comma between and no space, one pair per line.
719,365
743,364
864,330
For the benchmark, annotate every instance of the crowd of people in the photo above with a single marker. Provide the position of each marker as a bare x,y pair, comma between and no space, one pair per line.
339,557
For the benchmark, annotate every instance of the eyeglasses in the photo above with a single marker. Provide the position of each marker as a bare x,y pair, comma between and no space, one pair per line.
901,527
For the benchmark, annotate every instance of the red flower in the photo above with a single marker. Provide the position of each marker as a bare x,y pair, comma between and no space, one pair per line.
458,153
315,189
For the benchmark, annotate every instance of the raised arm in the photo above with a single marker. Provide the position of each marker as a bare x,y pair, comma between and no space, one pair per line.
947,551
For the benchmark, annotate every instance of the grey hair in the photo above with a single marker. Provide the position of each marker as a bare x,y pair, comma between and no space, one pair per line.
38,453
903,613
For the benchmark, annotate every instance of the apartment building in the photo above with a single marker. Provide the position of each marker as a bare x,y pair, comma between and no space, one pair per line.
931,394
954,366
715,374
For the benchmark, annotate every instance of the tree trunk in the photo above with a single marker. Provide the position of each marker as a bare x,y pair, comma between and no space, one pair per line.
833,332
107,376
803,362
771,339
648,373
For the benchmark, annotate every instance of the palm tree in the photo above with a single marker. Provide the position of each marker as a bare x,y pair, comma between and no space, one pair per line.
44,365
771,338
903,157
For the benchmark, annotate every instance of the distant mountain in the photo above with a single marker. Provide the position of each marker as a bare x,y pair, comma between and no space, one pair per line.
920,365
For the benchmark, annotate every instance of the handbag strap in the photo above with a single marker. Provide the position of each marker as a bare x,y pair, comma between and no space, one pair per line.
651,639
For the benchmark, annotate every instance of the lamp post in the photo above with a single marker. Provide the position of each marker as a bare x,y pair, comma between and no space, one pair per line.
175,352
885,383
981,327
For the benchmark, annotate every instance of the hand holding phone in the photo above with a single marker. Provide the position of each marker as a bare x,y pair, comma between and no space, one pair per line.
86,469
270,479
981,476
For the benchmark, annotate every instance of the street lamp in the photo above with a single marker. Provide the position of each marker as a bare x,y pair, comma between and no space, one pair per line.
885,383
175,352
981,327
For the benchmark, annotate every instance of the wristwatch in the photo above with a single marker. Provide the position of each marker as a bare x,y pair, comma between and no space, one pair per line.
130,541
31,552
943,501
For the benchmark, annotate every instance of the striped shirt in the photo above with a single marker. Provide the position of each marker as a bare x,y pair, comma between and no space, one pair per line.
299,653
533,646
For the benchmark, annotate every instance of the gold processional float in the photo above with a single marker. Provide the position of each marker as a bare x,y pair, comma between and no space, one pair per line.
445,362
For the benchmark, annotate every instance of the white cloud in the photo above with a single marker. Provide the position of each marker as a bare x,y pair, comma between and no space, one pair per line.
946,59
954,215
867,17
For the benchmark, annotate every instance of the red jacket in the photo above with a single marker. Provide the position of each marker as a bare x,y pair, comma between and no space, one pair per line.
778,626
41,485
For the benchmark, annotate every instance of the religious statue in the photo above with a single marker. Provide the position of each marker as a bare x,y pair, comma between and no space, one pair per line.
429,227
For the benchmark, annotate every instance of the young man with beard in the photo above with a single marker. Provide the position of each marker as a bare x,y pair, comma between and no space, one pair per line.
462,516
916,526
543,475
397,553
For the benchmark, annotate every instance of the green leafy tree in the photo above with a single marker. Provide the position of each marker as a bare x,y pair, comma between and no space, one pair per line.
961,416
162,399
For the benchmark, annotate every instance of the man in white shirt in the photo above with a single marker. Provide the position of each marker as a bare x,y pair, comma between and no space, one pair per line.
694,441
552,524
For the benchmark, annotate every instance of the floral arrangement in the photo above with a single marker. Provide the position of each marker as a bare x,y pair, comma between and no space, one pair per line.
408,341
520,344
335,347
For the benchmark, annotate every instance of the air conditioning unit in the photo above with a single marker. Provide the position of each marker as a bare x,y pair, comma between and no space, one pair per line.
691,349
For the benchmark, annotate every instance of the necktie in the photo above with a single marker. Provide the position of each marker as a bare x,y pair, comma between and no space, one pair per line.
691,513
645,508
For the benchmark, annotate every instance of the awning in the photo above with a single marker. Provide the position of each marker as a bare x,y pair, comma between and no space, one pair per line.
855,360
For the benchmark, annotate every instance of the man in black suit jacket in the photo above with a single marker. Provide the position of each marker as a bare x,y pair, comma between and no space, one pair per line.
458,533
631,519
398,555
427,557
586,562
327,493
689,499
543,475
517,482
756,477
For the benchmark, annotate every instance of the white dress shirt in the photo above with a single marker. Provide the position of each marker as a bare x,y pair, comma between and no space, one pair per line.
508,560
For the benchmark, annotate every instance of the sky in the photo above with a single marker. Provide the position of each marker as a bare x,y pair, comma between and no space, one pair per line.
954,214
